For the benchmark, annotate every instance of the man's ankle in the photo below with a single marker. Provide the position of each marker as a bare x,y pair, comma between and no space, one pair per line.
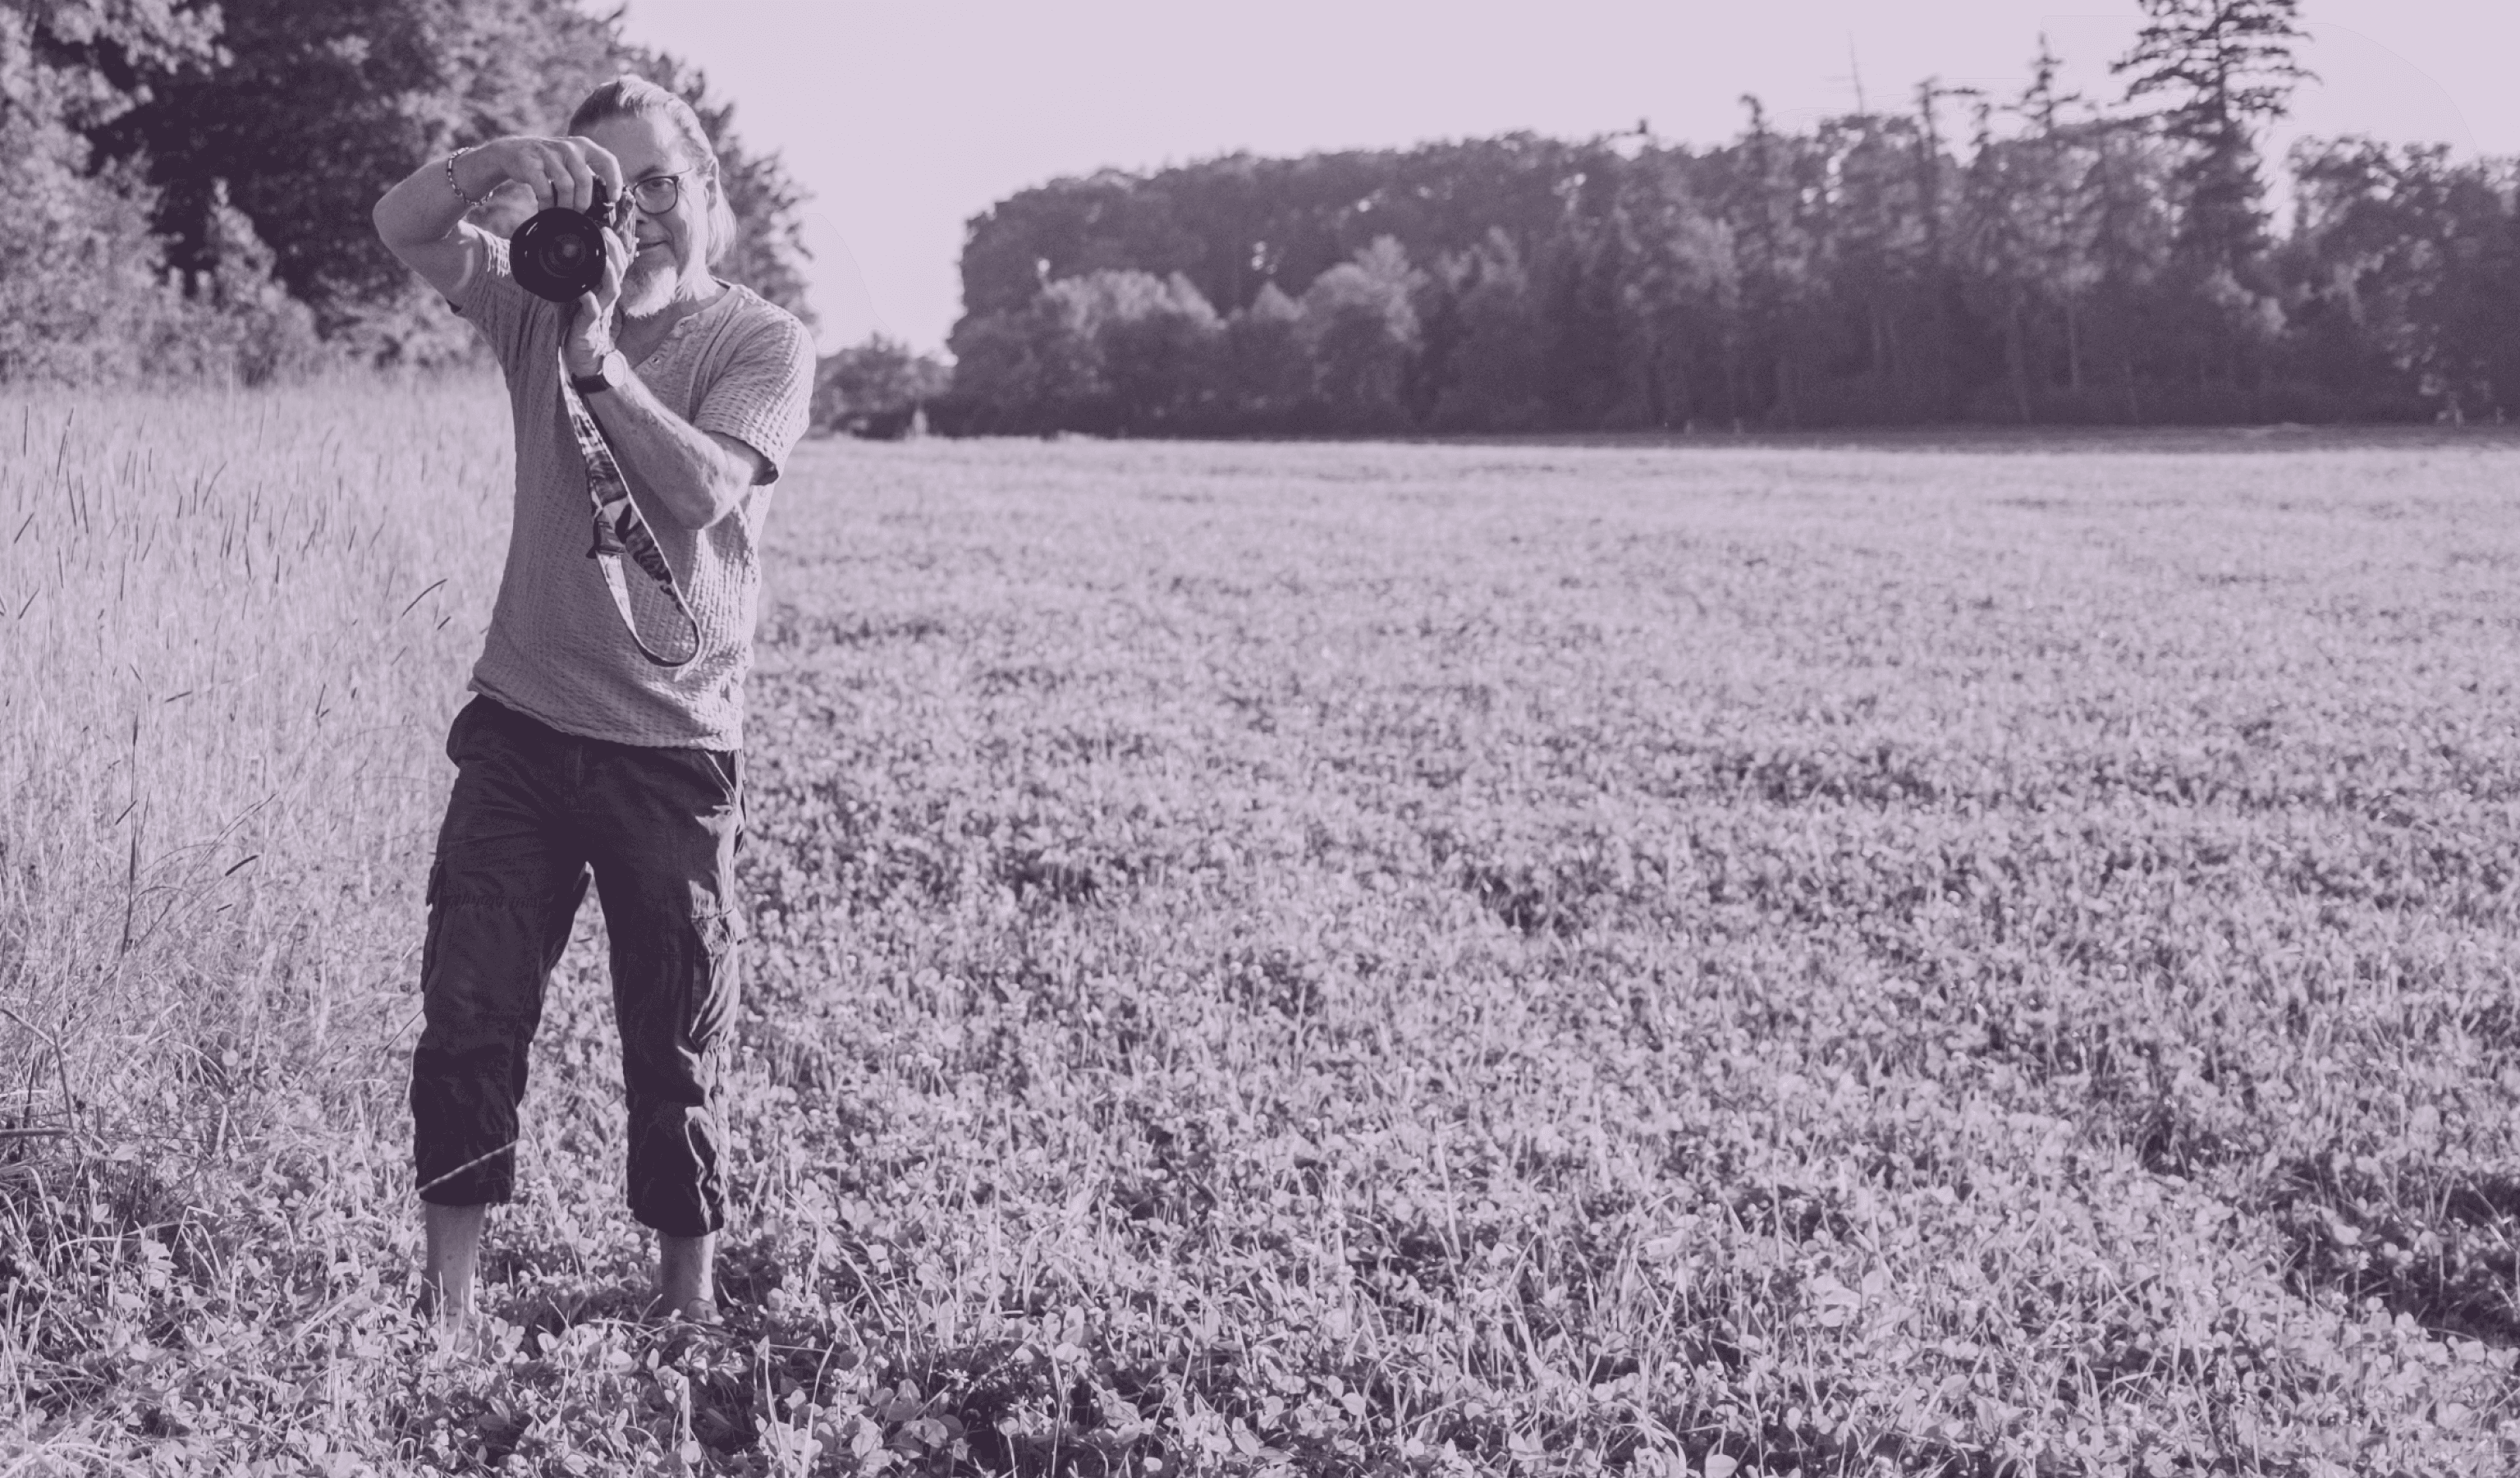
454,1251
437,1305
685,1268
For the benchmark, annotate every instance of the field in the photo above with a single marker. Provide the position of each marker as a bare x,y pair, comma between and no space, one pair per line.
1314,958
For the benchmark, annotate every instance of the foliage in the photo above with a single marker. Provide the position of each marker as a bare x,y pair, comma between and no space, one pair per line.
1497,378
1359,329
1265,369
1234,224
80,295
2059,263
2228,66
1347,958
769,252
318,106
1111,352
2409,259
254,135
875,388
1130,353
85,295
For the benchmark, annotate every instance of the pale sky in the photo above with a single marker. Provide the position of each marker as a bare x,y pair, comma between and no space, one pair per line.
905,120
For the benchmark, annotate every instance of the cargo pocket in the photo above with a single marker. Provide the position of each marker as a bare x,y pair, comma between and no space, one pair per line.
721,971
718,778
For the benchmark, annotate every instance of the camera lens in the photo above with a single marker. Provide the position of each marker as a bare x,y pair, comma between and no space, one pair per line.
559,254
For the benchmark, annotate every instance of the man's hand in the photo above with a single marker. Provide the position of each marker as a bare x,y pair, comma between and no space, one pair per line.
559,171
422,220
589,336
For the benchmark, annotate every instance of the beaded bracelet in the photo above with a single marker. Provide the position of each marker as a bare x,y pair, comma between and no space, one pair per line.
467,201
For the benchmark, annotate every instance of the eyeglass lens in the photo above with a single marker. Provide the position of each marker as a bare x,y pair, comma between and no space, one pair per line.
657,193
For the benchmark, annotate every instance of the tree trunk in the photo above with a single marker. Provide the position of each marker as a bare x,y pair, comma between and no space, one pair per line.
2073,345
2015,359
1688,386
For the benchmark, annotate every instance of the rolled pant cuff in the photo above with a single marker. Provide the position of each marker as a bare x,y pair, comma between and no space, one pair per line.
486,1184
679,1222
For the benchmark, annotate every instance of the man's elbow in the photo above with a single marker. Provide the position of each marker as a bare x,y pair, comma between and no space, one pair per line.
718,498
398,242
731,478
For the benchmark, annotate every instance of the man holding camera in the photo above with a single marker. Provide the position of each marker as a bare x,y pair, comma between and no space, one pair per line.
585,754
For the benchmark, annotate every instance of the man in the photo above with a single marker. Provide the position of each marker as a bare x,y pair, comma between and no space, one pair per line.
583,754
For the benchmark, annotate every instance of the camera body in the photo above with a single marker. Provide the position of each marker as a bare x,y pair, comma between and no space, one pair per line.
559,253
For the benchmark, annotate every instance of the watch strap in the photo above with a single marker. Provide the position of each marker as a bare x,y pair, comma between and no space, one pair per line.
610,372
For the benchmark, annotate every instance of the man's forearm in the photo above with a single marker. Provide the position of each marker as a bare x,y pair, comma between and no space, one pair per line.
423,208
678,475
422,219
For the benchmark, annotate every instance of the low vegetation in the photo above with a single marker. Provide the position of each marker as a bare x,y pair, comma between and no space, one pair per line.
1317,958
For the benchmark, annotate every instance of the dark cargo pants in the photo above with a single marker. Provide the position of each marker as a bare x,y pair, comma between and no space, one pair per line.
534,811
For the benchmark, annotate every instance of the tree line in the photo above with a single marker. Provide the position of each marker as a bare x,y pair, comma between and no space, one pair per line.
2038,257
189,182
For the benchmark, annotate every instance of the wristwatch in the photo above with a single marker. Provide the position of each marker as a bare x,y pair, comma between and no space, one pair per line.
610,372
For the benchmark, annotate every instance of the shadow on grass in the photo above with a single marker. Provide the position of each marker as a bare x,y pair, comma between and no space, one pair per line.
2441,1247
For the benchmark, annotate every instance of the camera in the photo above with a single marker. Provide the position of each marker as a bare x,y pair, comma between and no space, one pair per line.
559,254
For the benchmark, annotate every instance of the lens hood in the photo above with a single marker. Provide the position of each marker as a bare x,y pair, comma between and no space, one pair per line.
559,253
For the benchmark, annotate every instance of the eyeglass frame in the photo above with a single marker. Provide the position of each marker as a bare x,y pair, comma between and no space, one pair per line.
674,194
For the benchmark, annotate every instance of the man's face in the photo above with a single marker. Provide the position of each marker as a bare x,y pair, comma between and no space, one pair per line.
672,246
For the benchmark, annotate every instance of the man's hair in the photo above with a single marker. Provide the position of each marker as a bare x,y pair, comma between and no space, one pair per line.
630,97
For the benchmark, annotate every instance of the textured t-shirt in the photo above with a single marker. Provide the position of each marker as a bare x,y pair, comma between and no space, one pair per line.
557,650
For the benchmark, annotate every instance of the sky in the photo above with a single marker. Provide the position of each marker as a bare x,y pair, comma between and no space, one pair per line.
904,121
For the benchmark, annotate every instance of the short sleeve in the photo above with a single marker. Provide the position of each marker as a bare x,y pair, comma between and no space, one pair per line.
489,298
764,395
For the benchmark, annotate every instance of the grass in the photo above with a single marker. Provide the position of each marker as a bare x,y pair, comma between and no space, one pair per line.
1335,959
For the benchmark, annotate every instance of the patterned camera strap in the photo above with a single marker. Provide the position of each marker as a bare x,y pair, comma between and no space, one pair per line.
620,530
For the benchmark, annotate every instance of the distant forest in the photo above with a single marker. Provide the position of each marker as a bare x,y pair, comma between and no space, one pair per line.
189,187
189,183
2032,258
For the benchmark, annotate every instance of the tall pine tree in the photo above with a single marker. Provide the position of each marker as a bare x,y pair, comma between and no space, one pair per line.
2226,68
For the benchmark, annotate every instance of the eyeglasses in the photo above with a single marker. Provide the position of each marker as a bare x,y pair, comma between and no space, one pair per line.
657,193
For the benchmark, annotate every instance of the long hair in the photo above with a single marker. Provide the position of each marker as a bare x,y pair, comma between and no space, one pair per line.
631,96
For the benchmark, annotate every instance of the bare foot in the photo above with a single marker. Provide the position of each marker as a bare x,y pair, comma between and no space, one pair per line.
442,1313
459,1336
699,1311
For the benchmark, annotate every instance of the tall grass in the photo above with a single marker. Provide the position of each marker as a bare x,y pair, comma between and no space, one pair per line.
232,623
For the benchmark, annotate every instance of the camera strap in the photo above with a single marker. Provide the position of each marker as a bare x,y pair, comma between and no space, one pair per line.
619,530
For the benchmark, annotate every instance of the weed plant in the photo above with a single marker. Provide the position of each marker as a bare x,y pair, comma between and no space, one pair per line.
1323,959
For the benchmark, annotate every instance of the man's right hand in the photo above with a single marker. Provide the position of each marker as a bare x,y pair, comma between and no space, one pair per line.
559,171
422,220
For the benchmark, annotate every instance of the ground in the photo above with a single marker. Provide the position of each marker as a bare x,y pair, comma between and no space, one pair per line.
1907,957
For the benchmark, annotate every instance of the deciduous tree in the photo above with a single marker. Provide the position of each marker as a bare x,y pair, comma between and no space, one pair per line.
1359,329
876,388
81,295
316,106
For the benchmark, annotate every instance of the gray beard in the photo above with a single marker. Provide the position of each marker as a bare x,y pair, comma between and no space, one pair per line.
646,293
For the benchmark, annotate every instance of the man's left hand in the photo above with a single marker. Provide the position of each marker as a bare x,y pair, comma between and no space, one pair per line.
590,329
